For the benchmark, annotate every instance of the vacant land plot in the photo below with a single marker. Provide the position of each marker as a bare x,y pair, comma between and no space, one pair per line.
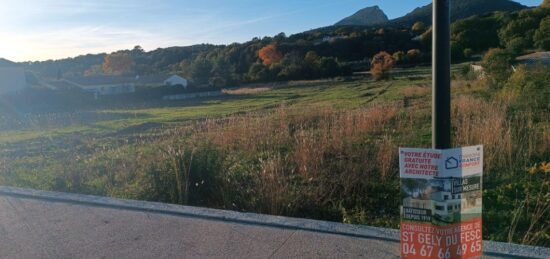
324,149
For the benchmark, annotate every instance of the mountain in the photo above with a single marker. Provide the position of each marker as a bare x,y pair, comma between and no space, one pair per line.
365,17
459,10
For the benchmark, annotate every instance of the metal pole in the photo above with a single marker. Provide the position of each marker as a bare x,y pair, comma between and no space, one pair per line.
441,69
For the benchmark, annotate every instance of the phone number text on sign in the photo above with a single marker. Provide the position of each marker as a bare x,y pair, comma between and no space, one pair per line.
420,240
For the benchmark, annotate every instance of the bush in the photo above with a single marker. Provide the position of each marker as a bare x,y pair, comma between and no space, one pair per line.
381,64
531,86
542,35
468,53
498,65
517,45
399,57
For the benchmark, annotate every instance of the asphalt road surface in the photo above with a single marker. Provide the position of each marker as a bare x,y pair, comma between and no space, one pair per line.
32,226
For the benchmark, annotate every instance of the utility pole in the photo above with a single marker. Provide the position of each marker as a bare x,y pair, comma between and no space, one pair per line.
441,75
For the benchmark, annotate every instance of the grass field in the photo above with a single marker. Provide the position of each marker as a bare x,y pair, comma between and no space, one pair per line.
324,149
335,94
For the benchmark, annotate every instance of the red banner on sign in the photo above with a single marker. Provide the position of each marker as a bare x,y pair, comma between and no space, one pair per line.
424,240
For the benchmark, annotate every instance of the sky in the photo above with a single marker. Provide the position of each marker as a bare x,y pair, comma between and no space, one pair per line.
34,30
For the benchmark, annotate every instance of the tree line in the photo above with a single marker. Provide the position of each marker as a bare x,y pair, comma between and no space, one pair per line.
321,53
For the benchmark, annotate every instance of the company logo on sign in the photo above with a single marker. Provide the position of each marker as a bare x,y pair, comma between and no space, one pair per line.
451,163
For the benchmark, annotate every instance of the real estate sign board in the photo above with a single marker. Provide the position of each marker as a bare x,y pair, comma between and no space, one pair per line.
441,202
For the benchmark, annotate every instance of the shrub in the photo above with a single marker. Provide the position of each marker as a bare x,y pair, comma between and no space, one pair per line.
468,53
498,65
381,64
542,35
530,85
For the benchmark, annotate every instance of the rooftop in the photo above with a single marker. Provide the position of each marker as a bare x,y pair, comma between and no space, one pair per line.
114,80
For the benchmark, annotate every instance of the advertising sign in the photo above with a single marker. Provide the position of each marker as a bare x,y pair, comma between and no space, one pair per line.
441,202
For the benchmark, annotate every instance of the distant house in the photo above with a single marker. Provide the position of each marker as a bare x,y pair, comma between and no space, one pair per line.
115,85
329,39
104,85
176,80
12,78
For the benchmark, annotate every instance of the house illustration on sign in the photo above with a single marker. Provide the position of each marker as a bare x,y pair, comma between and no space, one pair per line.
451,163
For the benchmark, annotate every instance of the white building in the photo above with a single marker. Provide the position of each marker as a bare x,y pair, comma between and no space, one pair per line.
115,85
443,202
175,80
12,80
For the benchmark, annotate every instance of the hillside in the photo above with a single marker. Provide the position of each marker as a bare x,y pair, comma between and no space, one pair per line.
6,63
459,10
333,51
365,17
372,16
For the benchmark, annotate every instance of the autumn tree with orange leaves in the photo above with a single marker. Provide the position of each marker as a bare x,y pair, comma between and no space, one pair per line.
381,64
118,63
270,54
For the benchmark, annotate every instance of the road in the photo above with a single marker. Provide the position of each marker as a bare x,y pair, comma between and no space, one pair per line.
51,225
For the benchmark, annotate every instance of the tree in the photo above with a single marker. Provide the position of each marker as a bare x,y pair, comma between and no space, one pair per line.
476,33
137,50
468,53
280,37
399,57
328,67
118,63
522,27
201,70
419,27
517,45
94,70
270,54
497,64
311,66
311,57
184,68
257,72
457,51
414,55
381,64
545,4
224,71
530,85
426,39
542,35
290,72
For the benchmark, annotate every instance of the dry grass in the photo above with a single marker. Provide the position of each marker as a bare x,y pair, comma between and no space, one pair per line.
417,91
314,161
313,146
479,122
508,139
247,91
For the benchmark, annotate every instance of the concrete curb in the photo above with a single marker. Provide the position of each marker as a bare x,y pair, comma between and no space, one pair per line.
496,249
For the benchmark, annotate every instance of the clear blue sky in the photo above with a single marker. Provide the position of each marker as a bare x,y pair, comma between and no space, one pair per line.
52,29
